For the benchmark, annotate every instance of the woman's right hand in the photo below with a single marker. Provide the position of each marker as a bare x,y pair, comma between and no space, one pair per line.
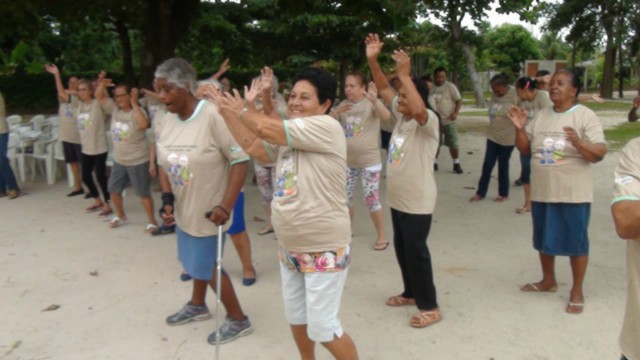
51,69
518,116
374,46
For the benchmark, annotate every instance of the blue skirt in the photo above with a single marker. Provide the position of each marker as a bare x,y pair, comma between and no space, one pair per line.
198,254
237,221
561,228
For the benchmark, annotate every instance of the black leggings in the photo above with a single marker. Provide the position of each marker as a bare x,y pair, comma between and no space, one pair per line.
410,232
99,162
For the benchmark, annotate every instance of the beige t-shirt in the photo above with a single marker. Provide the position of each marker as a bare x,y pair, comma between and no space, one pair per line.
501,129
130,145
309,207
91,118
444,99
627,187
156,124
559,174
68,130
411,186
540,101
152,105
4,125
197,155
361,126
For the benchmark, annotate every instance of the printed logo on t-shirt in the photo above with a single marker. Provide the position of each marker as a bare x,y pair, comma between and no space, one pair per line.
624,180
287,178
497,110
353,125
398,142
552,151
68,111
83,121
178,169
120,132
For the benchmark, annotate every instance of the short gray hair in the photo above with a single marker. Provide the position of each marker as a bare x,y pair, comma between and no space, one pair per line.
178,72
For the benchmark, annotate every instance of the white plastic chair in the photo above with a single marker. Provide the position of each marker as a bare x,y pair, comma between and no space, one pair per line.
58,155
12,151
43,150
14,120
37,122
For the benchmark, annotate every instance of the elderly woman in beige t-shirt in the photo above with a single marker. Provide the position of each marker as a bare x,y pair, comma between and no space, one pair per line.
8,183
563,140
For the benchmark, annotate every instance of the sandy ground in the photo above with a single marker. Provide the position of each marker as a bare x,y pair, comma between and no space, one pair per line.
482,254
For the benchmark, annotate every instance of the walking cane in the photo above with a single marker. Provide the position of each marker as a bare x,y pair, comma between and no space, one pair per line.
218,291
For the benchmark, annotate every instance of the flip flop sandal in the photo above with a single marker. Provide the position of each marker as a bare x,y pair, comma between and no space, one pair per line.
381,246
523,210
104,213
530,287
150,228
164,229
424,319
501,199
115,222
399,300
574,308
475,198
93,208
265,231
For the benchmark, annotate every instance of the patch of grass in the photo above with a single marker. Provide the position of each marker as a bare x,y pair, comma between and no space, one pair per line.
479,128
483,113
608,105
618,136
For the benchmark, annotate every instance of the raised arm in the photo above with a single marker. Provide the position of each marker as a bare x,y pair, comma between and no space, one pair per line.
62,93
224,67
141,117
372,95
232,108
374,46
416,105
518,117
268,107
101,91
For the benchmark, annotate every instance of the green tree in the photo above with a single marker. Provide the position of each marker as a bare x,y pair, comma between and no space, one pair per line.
589,22
452,12
508,46
553,47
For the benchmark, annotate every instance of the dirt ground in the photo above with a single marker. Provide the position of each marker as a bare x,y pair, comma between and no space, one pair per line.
116,286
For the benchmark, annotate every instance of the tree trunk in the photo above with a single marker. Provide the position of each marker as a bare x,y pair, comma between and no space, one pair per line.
127,53
456,32
167,21
620,71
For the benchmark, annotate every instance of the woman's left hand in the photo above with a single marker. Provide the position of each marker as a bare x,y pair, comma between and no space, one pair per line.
135,94
571,135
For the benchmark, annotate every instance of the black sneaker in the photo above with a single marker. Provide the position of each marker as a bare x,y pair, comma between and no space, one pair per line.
457,169
75,193
518,182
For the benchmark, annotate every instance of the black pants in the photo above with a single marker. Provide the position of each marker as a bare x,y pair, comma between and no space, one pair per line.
410,232
99,163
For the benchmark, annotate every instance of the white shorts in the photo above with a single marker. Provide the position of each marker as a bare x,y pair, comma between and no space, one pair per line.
313,299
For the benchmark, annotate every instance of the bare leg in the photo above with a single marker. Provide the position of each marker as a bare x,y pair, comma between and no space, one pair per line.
527,196
548,282
378,222
305,345
342,348
116,198
578,270
454,153
243,246
228,297
147,204
77,177
268,227
199,292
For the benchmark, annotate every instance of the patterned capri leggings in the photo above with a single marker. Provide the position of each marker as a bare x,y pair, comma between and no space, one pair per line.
264,178
370,178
